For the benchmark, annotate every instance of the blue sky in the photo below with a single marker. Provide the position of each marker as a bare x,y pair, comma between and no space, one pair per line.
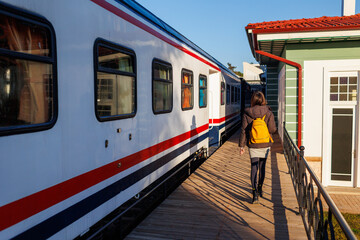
218,26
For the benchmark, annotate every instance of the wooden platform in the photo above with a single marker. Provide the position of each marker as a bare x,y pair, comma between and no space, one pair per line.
215,202
347,199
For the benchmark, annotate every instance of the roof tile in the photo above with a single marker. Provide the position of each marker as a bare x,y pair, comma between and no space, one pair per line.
308,24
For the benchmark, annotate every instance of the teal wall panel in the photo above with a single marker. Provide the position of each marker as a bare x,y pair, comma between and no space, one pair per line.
272,89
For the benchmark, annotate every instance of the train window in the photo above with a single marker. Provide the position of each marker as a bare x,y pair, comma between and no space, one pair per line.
187,89
202,91
162,88
238,96
115,88
235,94
227,94
222,94
232,94
27,74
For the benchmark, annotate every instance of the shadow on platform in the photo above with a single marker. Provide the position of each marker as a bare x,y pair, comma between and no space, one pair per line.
215,202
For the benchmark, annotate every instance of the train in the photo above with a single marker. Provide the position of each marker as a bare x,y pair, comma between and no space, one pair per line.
98,100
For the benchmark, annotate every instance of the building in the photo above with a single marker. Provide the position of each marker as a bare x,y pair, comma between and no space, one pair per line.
254,75
313,69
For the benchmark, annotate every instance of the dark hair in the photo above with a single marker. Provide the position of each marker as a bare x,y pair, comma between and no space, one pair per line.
258,98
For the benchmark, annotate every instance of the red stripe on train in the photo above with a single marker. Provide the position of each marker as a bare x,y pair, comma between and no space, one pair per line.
127,17
220,120
23,208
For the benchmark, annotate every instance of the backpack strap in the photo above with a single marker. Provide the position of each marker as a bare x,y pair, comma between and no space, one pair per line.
263,118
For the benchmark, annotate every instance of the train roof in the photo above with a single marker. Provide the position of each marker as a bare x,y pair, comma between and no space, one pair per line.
150,17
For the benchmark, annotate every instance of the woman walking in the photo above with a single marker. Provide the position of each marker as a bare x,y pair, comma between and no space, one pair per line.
257,126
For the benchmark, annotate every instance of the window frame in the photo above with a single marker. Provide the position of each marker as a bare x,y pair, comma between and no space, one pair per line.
192,88
27,16
204,76
161,62
117,47
222,93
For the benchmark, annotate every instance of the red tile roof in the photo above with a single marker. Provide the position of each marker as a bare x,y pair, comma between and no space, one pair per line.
307,24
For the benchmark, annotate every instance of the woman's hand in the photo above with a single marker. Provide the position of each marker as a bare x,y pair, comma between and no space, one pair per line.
242,150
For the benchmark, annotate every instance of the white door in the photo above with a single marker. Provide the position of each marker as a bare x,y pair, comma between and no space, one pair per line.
342,113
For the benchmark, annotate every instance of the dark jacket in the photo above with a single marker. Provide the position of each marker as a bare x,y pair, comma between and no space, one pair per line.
249,115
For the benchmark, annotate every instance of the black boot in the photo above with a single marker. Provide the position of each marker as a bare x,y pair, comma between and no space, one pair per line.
255,199
260,190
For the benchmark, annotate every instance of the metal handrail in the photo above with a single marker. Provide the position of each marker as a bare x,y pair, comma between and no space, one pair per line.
311,206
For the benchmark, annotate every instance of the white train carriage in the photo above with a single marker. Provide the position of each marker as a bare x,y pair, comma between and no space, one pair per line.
225,106
98,99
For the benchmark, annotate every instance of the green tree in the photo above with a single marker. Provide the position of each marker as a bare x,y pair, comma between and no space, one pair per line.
232,68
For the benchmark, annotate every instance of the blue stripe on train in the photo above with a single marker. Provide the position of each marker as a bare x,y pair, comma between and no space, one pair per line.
214,131
54,224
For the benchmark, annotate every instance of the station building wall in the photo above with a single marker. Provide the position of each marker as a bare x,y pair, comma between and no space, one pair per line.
314,58
309,52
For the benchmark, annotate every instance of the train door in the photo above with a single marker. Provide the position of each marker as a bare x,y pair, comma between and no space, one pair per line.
215,101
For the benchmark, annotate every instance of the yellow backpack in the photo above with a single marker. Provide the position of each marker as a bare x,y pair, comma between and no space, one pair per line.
259,131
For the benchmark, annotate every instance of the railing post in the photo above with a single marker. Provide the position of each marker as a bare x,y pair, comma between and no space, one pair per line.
286,148
302,166
284,131
302,149
301,172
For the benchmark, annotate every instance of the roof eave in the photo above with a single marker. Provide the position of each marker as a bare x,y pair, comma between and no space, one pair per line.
314,29
258,35
252,42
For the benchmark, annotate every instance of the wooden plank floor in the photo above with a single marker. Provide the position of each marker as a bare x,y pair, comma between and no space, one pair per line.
215,202
347,199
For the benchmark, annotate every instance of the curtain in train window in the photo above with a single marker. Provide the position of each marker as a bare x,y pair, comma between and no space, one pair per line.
162,87
26,75
222,97
115,94
202,91
115,83
187,90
